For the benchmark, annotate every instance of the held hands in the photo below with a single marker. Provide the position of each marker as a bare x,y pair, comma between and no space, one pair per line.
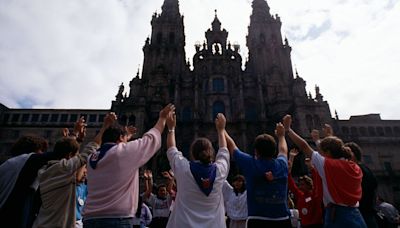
280,130
293,152
171,121
166,111
220,122
109,120
287,122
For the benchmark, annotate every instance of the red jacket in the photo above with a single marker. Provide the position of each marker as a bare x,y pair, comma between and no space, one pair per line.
309,204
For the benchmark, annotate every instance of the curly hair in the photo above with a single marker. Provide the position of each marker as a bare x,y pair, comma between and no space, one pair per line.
29,143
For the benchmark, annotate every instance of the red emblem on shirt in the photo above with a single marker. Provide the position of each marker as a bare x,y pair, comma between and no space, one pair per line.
205,182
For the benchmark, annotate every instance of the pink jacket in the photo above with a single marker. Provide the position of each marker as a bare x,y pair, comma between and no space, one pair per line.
113,187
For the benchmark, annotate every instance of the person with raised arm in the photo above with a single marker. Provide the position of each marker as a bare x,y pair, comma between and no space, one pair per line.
199,201
308,196
341,178
113,177
57,180
266,177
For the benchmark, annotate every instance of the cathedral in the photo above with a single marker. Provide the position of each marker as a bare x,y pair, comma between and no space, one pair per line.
254,92
253,99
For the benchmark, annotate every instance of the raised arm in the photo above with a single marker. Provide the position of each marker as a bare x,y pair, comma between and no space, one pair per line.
231,144
148,183
131,131
109,120
170,181
300,142
282,145
160,125
293,153
220,124
171,123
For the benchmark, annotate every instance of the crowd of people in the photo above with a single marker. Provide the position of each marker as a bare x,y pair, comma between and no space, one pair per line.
97,185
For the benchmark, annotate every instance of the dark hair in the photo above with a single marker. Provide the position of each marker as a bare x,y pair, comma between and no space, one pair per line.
265,146
335,147
112,134
65,146
202,150
240,178
28,144
356,149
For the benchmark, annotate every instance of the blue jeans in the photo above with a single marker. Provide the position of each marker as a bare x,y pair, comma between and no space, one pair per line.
108,222
340,217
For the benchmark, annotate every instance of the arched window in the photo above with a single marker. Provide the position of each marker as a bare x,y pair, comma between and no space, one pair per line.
218,85
122,120
345,130
218,107
396,131
186,114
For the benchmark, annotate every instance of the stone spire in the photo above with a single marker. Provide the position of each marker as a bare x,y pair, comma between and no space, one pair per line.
170,8
260,11
216,24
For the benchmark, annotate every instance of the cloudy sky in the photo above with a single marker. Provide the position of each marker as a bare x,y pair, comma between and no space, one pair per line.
75,53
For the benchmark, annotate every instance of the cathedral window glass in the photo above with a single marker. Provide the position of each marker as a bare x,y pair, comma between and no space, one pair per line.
35,118
371,131
44,118
64,118
25,117
218,107
92,118
159,38
363,131
54,117
186,114
15,117
73,118
218,85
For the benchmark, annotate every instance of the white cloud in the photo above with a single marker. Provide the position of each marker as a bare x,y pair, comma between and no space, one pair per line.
74,54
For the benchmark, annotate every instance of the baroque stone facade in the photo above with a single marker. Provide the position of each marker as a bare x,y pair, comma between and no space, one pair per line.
254,97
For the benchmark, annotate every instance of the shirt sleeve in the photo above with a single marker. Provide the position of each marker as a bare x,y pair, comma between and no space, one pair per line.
222,161
317,160
72,164
226,189
175,158
142,149
242,159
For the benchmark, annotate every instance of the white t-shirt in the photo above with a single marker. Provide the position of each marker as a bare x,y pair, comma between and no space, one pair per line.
160,206
192,207
235,205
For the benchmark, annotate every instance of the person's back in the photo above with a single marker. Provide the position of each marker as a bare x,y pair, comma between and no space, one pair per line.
199,201
113,174
20,201
266,179
58,184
